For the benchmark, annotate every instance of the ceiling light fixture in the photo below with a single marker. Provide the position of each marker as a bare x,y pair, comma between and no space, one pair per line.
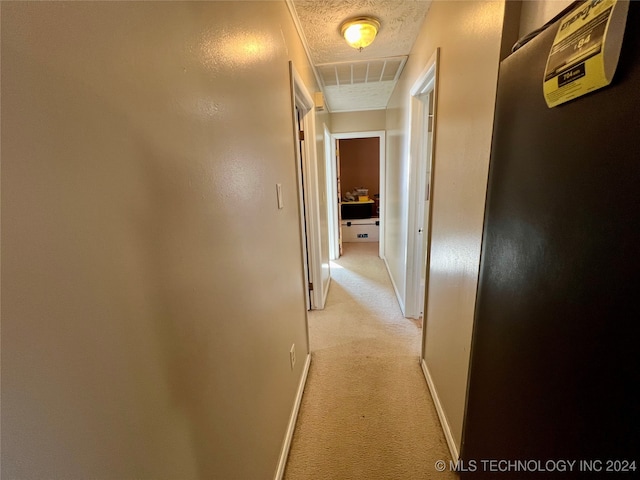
360,32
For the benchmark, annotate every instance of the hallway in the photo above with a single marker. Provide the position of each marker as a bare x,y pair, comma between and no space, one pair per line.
366,411
153,277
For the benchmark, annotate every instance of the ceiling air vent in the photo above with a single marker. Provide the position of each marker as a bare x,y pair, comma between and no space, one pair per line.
367,71
364,85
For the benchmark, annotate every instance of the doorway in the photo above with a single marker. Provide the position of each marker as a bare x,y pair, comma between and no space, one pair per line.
308,270
337,185
316,278
422,147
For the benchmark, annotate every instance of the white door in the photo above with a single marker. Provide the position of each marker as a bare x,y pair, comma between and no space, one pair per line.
316,276
423,111
424,210
305,219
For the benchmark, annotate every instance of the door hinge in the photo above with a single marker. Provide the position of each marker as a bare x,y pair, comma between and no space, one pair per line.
310,286
301,135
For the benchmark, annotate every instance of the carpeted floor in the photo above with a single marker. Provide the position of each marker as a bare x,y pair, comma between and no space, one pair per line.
366,411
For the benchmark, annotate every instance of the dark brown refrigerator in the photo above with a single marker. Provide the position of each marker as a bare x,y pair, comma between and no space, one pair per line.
555,358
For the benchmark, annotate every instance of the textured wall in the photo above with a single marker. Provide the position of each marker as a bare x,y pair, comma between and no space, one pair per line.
151,289
347,122
469,37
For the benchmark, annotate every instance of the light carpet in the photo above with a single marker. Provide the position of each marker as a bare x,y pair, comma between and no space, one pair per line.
366,412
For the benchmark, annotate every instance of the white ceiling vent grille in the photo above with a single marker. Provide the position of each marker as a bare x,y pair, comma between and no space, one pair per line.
362,85
367,71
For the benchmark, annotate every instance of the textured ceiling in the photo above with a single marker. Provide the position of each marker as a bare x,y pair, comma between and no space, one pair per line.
320,22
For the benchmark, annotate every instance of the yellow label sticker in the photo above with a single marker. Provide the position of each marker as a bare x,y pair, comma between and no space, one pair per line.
585,51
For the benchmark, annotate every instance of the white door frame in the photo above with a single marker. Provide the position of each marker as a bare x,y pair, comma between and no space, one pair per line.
308,193
422,151
332,194
333,178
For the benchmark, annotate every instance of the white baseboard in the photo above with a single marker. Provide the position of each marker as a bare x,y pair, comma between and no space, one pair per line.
395,287
453,449
284,453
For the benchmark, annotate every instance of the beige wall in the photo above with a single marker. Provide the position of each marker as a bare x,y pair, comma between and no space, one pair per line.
346,122
469,37
397,183
151,288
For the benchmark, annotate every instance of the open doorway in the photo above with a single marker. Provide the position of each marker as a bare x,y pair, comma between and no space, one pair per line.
423,109
315,276
304,206
359,185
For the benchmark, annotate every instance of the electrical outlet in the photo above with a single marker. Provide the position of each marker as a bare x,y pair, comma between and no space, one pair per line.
292,355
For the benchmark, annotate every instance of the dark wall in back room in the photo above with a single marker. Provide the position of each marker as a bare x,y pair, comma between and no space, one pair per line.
360,164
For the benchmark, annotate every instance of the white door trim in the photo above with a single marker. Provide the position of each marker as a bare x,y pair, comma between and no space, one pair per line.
332,194
422,151
381,134
308,192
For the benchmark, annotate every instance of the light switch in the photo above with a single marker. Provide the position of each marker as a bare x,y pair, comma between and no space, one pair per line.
279,190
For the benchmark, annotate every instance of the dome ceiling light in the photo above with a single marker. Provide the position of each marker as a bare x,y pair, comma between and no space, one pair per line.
360,32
